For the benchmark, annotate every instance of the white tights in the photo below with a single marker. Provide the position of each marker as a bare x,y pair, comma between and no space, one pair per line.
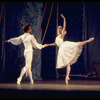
68,70
27,67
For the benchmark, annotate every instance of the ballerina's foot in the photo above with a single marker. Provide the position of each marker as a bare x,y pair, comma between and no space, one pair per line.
91,39
66,80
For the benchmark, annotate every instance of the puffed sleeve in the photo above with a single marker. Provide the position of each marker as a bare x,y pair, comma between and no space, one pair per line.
16,40
35,44
63,33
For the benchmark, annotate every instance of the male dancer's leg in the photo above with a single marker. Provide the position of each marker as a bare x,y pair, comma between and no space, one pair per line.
28,60
29,65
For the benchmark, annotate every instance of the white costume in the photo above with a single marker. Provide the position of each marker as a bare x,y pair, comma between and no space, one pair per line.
29,42
68,52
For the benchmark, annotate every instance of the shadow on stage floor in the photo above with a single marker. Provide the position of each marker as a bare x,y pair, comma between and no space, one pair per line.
52,89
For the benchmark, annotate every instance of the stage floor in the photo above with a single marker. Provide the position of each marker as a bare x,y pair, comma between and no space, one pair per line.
84,89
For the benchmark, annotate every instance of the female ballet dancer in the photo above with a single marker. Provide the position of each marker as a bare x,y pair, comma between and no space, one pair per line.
68,51
29,42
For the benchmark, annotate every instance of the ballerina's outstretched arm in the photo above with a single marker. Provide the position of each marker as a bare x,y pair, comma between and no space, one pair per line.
64,22
51,44
64,27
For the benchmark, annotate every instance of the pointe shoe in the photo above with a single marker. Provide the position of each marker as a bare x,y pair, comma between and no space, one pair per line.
18,81
91,39
66,80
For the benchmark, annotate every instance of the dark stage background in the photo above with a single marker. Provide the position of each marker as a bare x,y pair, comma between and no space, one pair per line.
83,22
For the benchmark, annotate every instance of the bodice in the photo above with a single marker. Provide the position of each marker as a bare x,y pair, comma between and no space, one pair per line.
59,41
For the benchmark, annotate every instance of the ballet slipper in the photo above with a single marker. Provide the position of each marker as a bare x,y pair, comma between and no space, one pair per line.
32,82
91,39
66,80
18,80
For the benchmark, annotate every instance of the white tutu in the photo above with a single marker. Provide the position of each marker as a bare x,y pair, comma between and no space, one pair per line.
68,52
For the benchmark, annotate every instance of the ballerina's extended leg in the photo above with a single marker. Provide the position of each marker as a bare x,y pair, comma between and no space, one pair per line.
85,42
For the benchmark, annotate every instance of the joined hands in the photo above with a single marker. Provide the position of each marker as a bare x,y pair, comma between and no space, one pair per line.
46,45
